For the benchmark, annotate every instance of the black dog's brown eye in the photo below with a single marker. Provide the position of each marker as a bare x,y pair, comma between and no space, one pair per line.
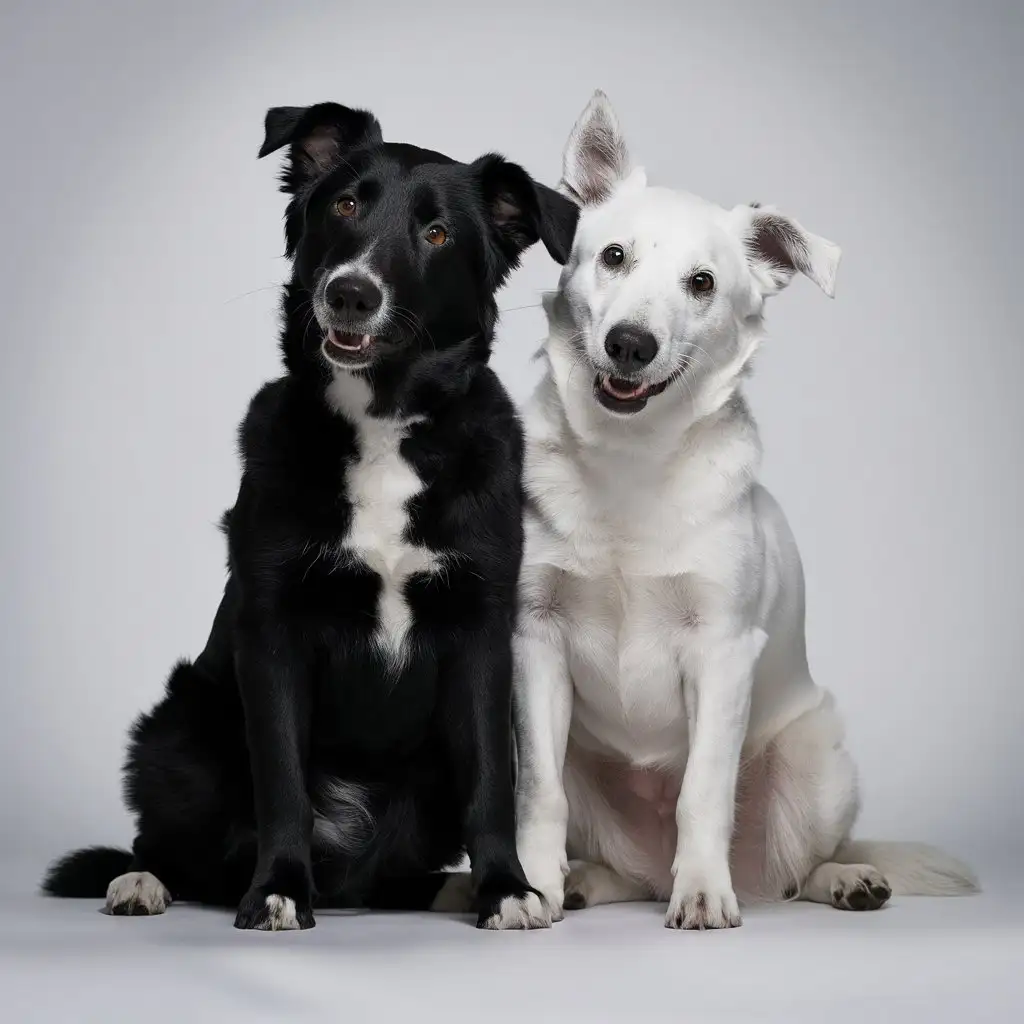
702,283
345,206
613,256
436,235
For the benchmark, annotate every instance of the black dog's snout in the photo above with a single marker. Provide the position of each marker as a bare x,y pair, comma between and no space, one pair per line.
353,295
630,347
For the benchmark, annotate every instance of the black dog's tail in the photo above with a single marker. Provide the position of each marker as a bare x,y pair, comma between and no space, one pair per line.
86,873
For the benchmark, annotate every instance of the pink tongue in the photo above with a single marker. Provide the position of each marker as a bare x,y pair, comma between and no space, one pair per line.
617,393
361,341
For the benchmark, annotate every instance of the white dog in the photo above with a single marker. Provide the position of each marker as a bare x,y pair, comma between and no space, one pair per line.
669,733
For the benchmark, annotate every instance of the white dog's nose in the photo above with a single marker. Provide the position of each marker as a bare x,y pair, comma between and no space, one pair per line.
631,348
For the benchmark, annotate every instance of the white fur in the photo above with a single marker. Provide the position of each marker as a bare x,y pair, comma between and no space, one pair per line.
519,913
661,642
281,915
380,485
588,885
137,893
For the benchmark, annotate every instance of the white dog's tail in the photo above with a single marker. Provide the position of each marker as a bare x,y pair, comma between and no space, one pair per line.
912,869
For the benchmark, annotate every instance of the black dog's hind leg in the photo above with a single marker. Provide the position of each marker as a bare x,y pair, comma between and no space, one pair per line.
477,681
275,694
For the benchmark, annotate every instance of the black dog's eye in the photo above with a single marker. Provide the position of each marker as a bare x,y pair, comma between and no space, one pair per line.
613,256
702,283
345,206
436,235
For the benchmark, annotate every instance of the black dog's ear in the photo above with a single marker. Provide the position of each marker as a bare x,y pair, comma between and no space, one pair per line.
319,137
558,222
522,211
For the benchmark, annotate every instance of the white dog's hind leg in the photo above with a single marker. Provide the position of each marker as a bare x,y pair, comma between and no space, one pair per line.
812,799
847,886
812,804
590,885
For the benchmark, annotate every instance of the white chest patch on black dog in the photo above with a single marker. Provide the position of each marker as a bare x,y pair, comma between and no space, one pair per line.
380,484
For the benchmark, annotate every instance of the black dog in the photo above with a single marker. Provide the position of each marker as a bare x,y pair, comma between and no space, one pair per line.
346,731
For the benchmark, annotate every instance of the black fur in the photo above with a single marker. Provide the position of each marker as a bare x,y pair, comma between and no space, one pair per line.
233,776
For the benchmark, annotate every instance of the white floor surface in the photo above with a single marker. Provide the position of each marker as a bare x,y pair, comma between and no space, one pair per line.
926,960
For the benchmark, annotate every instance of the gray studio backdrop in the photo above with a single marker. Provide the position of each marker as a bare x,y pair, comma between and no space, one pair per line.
141,249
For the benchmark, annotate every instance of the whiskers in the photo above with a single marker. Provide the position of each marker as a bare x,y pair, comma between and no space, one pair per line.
409,319
254,291
696,358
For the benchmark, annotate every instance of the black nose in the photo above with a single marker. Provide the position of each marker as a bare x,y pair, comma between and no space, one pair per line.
630,347
353,296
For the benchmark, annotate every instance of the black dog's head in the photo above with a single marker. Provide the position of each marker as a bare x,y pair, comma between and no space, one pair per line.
398,250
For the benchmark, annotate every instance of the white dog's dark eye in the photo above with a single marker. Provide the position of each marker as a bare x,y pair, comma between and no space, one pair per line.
613,256
702,283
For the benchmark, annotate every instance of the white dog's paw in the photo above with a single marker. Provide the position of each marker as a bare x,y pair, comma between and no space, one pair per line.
552,891
700,902
545,866
456,895
859,887
518,913
137,894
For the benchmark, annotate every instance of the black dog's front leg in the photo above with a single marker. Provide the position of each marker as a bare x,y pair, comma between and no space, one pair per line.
478,686
275,695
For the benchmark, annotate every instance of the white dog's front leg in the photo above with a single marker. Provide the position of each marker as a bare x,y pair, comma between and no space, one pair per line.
718,676
543,705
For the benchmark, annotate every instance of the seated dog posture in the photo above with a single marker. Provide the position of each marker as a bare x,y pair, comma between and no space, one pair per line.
668,728
347,729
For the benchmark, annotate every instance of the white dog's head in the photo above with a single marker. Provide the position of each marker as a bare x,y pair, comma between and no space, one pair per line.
663,291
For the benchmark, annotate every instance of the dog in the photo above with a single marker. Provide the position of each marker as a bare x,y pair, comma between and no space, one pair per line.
347,730
671,740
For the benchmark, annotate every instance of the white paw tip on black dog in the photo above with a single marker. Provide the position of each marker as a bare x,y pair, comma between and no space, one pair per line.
281,915
137,894
518,913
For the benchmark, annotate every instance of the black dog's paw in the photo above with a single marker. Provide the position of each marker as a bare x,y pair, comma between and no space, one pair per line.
137,894
269,912
508,904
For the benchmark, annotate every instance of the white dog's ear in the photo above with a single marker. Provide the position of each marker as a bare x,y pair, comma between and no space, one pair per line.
595,158
777,247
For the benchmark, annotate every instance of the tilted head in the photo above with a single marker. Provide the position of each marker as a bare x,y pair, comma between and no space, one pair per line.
398,251
663,291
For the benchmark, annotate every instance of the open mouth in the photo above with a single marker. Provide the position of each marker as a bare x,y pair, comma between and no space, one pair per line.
625,396
348,349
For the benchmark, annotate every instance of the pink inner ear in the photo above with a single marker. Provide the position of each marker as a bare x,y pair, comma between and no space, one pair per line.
504,210
321,147
778,242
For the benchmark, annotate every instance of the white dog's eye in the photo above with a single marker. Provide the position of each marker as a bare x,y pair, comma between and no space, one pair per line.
613,255
702,283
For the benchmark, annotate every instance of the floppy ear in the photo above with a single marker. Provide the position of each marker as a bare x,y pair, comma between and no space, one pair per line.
521,211
595,158
777,247
319,137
